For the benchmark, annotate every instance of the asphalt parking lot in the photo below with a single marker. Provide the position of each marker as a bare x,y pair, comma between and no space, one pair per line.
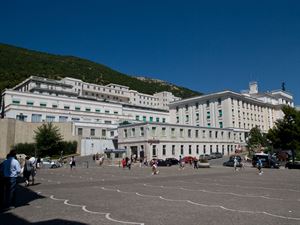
112,195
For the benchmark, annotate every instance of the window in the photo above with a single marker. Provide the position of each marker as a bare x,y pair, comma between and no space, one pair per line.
16,102
219,101
92,132
66,107
153,131
173,149
77,108
177,119
163,131
217,148
207,115
151,119
54,105
50,118
190,149
186,107
181,132
141,131
189,133
125,133
29,103
133,132
157,119
103,133
42,104
221,124
203,134
79,131
177,109
181,149
164,150
197,116
97,110
210,134
63,119
75,119
197,149
204,149
87,109
216,134
196,133
187,118
107,111
210,149
154,150
107,122
21,117
197,105
208,124
164,120
144,118
220,113
116,112
36,118
173,132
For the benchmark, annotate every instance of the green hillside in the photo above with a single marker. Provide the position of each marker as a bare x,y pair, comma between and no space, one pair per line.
17,64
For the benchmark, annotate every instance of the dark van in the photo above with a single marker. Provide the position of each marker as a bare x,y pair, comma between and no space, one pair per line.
268,161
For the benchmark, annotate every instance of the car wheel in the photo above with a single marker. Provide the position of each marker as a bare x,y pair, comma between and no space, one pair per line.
54,166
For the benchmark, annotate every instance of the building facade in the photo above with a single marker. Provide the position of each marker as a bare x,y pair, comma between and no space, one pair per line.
158,140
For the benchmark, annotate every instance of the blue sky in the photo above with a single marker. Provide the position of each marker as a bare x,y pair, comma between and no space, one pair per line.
202,45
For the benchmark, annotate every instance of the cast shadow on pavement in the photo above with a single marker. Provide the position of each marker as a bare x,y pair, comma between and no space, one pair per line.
11,219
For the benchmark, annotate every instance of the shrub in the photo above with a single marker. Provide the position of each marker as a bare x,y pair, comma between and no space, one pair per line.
25,148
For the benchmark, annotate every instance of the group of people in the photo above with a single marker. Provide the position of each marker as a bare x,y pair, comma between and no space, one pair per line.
10,171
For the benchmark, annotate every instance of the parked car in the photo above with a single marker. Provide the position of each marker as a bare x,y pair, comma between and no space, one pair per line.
291,165
48,163
268,161
213,155
217,154
160,162
230,162
205,156
172,161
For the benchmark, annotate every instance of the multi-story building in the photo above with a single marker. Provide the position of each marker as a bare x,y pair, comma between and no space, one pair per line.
228,109
158,140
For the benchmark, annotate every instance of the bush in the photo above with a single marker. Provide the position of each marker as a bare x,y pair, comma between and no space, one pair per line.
25,148
68,147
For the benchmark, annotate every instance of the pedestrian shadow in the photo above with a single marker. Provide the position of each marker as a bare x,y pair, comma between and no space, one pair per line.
11,219
25,196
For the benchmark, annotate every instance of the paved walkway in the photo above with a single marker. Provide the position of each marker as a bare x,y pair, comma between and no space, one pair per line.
112,195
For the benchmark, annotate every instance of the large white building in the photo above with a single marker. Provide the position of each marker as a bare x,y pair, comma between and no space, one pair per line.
158,140
102,112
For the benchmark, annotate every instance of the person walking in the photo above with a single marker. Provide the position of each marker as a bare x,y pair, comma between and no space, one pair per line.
259,166
72,162
28,170
235,162
11,170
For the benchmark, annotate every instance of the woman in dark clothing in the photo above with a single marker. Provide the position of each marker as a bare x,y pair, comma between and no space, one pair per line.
28,169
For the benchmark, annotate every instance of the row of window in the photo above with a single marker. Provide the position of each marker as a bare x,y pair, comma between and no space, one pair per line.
67,107
182,133
190,150
151,119
36,118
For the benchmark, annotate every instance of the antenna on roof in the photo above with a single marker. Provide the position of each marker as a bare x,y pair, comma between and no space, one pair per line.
283,86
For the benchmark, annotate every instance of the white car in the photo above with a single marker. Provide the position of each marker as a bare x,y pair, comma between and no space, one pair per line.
48,163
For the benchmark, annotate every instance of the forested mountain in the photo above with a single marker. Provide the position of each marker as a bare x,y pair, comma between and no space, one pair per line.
17,64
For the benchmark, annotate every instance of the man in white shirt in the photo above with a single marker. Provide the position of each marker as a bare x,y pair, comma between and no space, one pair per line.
11,170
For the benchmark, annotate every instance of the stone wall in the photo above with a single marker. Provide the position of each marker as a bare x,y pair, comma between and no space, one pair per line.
14,131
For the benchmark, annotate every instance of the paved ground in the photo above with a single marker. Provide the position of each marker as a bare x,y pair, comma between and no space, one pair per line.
111,195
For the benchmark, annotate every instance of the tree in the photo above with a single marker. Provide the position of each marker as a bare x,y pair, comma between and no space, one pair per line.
256,140
286,133
47,139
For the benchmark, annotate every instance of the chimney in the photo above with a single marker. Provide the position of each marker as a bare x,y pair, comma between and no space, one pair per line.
253,87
